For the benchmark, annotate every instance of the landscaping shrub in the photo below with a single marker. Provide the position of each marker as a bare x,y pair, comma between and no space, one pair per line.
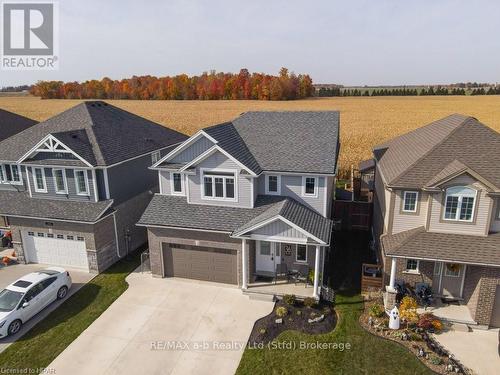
435,360
437,324
289,299
262,331
281,311
428,322
310,302
376,310
408,310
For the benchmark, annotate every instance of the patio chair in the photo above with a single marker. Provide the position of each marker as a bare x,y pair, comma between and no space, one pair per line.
282,271
301,275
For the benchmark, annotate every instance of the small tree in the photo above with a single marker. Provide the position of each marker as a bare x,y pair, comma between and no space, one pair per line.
408,310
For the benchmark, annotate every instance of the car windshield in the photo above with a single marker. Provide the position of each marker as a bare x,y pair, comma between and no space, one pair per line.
9,299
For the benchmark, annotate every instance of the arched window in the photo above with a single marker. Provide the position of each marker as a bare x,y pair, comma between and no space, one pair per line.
459,203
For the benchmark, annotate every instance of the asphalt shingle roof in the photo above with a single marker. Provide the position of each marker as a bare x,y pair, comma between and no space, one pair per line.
99,132
173,211
20,204
11,123
418,243
413,160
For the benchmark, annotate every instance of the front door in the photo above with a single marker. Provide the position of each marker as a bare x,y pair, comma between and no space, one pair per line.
451,279
268,256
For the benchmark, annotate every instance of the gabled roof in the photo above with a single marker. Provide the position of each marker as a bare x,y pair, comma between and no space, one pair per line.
459,248
174,211
293,141
99,132
12,123
414,159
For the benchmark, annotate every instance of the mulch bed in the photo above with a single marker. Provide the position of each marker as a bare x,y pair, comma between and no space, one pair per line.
266,329
414,343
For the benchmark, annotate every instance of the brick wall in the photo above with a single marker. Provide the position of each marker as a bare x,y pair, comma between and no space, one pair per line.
425,274
490,278
472,287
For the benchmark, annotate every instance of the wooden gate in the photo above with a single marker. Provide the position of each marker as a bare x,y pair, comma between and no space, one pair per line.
354,215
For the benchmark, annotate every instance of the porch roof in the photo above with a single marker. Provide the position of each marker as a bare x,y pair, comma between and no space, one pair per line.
448,247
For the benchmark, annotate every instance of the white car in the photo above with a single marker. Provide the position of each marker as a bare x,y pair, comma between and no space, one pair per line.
30,294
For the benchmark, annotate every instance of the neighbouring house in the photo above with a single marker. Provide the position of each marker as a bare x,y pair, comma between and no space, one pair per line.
12,123
244,198
437,213
73,187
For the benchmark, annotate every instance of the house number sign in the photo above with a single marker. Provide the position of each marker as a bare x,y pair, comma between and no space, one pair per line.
288,250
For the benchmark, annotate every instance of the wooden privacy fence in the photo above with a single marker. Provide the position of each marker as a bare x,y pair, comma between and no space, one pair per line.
371,277
353,214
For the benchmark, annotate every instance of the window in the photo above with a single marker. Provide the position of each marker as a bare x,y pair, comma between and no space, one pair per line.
10,173
177,184
437,268
70,238
410,201
40,234
2,174
452,269
301,253
82,183
265,248
31,233
60,237
39,180
310,186
459,204
80,238
50,235
60,183
45,283
155,157
273,184
220,186
412,265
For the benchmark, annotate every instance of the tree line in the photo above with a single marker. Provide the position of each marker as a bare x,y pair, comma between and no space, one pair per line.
337,91
207,86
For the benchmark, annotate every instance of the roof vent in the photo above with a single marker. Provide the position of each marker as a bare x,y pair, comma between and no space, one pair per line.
148,139
74,136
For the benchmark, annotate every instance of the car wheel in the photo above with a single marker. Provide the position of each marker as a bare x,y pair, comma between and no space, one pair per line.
62,292
14,327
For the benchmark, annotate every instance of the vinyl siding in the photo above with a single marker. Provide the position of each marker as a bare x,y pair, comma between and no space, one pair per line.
164,182
382,200
406,221
495,220
220,161
330,186
70,179
193,151
481,211
291,186
279,229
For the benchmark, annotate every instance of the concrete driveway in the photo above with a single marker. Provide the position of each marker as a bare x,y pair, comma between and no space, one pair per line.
133,335
478,350
11,273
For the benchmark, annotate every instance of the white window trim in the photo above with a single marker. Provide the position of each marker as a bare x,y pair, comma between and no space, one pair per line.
404,201
438,266
208,171
65,182
155,157
44,190
172,191
297,252
278,190
459,204
4,172
316,187
417,270
78,192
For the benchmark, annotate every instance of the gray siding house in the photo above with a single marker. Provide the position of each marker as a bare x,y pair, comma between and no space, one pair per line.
437,213
73,187
240,198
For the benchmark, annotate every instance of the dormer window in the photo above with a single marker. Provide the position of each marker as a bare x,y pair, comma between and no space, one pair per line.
39,180
219,185
459,204
81,182
273,184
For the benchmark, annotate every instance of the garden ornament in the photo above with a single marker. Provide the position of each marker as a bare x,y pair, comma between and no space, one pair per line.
394,318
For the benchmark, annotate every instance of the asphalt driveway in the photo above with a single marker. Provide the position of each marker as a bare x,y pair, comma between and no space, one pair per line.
11,273
166,326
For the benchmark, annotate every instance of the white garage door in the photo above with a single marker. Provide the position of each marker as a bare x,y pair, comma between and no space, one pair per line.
55,249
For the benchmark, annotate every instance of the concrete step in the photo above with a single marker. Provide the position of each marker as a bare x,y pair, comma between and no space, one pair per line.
260,296
460,327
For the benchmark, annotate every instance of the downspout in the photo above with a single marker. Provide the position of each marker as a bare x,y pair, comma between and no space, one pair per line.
116,236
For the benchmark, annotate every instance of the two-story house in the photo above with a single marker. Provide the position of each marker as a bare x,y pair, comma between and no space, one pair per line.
239,198
437,213
73,187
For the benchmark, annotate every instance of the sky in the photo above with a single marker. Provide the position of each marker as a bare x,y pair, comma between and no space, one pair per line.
389,42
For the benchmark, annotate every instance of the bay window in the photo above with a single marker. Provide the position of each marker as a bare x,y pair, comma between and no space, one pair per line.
459,204
219,185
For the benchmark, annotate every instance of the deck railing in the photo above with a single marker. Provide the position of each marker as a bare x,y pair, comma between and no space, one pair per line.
371,277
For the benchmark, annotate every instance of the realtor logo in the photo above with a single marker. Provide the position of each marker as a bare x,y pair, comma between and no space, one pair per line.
30,35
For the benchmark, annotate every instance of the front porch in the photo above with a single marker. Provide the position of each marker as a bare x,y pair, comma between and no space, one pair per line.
451,312
280,288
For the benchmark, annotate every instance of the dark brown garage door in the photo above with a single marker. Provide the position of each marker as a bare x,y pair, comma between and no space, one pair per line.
200,263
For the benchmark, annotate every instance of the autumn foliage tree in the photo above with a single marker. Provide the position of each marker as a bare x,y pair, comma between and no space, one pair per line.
207,86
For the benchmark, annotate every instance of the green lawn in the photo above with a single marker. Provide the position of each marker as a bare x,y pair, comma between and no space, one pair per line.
39,347
368,354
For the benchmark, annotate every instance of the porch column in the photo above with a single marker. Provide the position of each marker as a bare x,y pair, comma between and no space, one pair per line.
316,272
244,263
392,280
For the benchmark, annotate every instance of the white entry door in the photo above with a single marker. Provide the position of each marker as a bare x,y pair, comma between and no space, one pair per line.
55,249
268,256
